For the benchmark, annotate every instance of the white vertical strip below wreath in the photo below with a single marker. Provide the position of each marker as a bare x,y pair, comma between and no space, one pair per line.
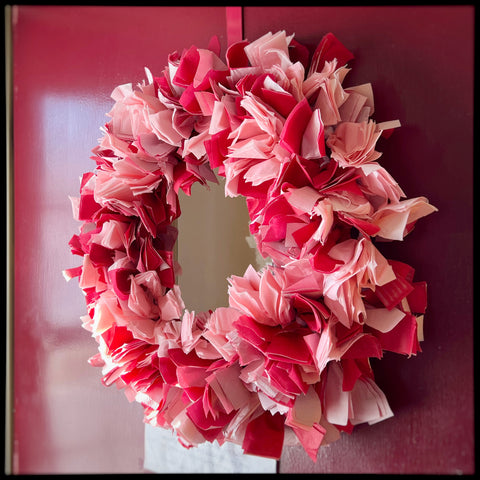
291,353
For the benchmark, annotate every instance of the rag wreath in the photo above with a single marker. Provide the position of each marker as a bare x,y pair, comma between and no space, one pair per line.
291,353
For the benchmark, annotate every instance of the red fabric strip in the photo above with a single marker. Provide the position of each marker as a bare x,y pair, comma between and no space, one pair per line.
234,25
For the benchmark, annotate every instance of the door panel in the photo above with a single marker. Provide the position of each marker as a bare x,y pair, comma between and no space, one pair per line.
66,62
409,55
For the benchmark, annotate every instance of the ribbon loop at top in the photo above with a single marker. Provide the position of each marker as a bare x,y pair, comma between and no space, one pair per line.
234,24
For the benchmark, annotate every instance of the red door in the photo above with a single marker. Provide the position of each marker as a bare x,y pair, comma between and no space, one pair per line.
66,61
408,54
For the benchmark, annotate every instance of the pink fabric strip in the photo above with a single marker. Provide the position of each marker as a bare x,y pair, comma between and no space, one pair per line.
234,24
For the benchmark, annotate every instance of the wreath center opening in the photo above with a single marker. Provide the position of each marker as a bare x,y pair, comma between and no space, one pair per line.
211,245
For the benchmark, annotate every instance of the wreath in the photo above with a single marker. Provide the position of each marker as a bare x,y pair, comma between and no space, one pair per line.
291,353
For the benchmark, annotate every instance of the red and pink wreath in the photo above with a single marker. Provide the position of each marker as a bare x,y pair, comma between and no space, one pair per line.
291,353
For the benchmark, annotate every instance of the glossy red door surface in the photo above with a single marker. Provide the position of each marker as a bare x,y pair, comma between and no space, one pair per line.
66,62
420,63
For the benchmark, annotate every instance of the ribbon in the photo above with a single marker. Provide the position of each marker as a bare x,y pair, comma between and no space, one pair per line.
234,20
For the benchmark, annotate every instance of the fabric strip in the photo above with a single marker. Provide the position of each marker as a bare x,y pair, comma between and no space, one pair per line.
234,24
